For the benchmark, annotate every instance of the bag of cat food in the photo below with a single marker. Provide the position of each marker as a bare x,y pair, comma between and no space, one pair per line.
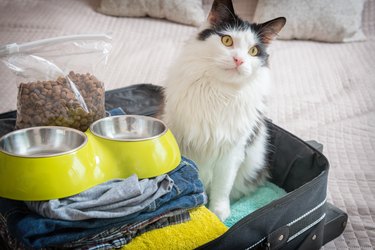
57,79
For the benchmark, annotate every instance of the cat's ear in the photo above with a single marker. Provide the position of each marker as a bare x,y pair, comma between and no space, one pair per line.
221,11
269,30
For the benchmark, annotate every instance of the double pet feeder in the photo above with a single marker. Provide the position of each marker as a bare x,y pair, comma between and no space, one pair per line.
50,162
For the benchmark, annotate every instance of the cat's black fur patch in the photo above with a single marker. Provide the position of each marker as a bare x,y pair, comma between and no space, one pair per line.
263,174
256,130
234,23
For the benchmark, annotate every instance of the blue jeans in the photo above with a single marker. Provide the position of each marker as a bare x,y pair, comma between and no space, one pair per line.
36,231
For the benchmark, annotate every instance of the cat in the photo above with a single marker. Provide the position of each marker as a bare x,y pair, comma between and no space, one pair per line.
215,102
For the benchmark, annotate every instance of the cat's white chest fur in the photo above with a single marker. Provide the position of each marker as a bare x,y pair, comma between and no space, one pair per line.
208,118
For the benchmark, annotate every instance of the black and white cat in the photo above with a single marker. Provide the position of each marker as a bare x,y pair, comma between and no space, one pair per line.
215,100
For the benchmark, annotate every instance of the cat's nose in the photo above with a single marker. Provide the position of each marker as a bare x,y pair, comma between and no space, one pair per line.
237,60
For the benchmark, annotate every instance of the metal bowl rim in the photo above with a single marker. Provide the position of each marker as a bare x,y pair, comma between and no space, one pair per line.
43,127
130,139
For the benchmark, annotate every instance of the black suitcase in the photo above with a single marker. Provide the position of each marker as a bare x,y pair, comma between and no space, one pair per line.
302,219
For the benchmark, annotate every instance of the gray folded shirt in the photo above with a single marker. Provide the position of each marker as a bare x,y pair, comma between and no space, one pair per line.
112,199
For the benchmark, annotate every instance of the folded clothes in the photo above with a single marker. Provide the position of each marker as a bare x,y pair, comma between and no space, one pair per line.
112,199
248,204
120,236
36,231
110,239
203,227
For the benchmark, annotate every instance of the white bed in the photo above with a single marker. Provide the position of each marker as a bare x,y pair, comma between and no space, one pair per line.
322,91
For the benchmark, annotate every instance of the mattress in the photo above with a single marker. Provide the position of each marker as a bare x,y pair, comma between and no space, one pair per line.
321,91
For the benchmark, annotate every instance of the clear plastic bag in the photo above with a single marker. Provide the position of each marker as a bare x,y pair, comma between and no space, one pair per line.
57,80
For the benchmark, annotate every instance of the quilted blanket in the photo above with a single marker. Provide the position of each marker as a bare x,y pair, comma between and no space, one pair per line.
322,91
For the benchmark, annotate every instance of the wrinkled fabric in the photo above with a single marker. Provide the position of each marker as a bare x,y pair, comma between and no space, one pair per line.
112,199
120,236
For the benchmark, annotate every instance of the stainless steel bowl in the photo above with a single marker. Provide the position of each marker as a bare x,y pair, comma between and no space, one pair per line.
43,141
128,128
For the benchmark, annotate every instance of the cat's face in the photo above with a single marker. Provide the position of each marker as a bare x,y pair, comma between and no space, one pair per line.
232,53
231,49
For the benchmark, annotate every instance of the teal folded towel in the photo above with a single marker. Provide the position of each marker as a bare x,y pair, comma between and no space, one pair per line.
248,204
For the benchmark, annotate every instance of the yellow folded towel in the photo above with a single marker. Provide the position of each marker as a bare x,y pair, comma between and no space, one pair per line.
203,227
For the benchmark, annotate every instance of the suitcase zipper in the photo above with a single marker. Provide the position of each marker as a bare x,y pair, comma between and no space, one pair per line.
308,220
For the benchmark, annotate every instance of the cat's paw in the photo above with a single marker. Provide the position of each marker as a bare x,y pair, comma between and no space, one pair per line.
221,209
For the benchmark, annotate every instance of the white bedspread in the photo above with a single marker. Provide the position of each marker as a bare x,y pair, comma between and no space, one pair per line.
322,91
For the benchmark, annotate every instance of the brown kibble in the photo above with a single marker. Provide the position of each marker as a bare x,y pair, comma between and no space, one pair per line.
37,119
48,86
63,95
99,85
84,121
34,97
36,91
70,95
25,91
59,81
55,103
40,103
100,91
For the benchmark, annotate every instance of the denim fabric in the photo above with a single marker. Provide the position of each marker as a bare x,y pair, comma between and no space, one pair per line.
36,231
7,240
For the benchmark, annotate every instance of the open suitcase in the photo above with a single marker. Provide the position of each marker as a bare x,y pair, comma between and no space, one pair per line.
302,219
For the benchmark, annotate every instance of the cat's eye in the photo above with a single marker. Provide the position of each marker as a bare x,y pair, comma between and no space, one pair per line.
254,51
227,40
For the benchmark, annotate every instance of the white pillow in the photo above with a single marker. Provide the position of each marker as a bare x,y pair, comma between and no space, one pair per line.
188,12
320,20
